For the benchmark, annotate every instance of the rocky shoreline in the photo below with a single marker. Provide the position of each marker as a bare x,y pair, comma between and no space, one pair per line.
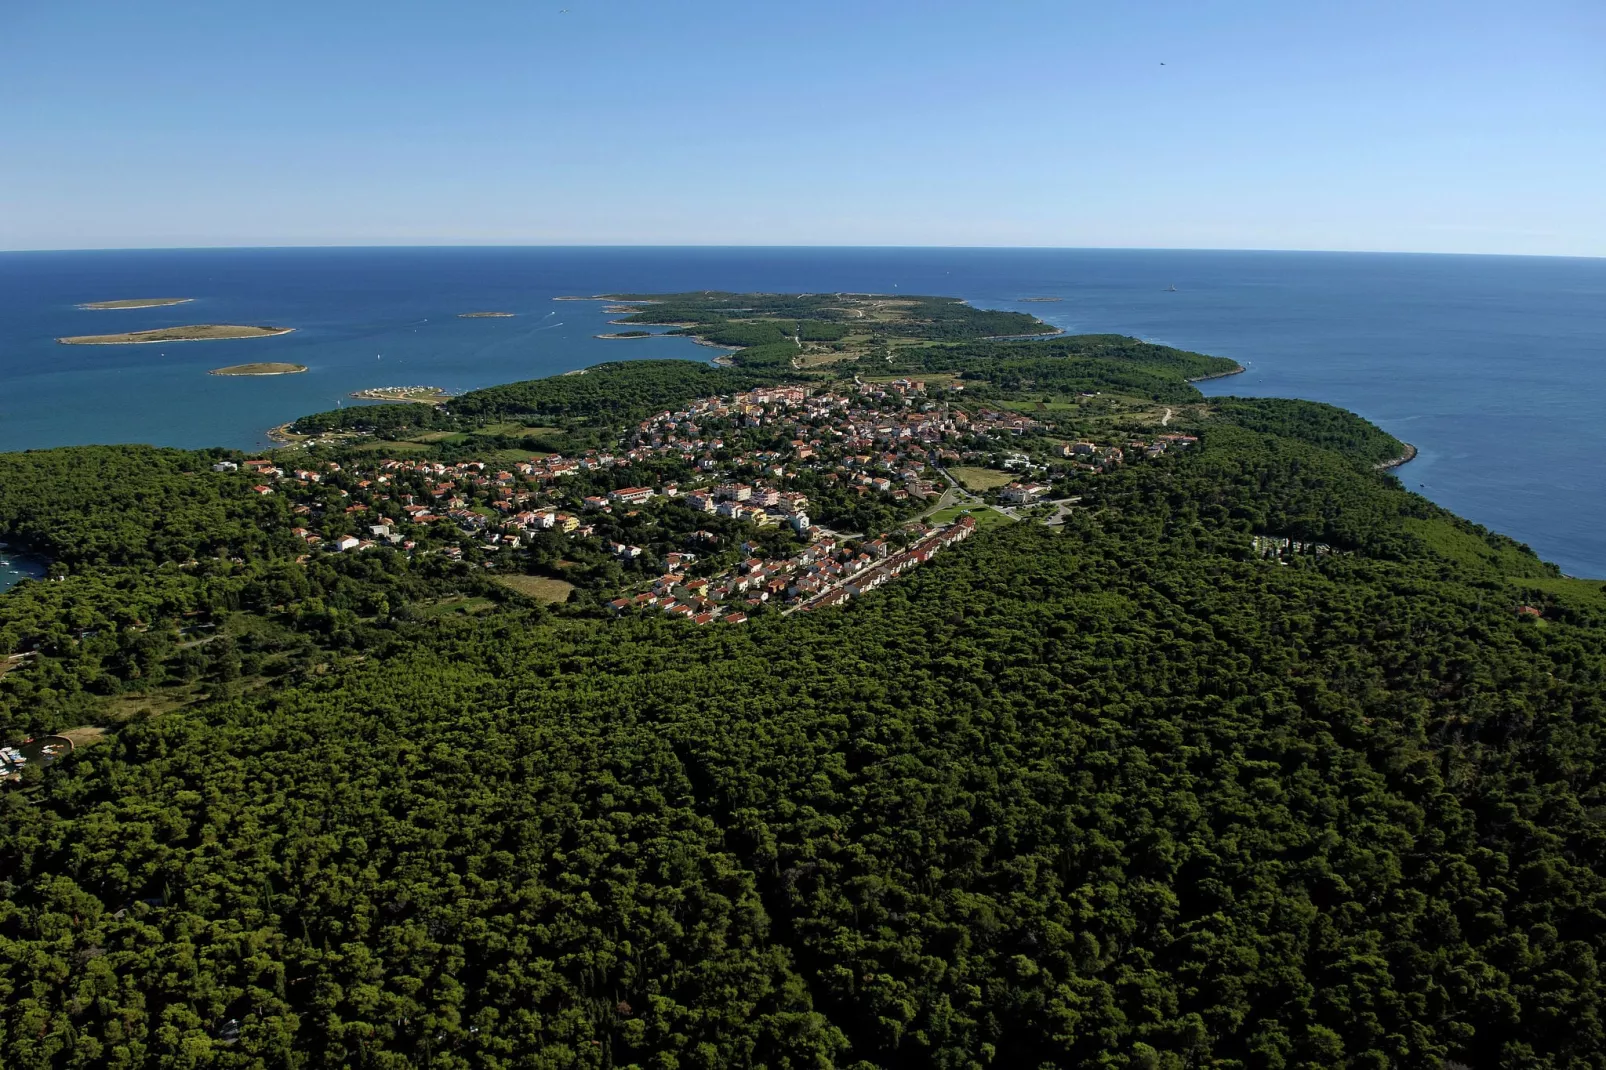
1218,375
1394,462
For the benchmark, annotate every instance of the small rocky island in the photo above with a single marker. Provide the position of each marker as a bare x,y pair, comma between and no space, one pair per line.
199,332
263,368
626,334
484,315
136,302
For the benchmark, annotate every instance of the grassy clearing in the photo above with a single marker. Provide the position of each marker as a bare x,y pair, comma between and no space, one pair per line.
979,479
504,457
1031,408
84,736
1580,594
391,447
820,360
986,516
540,588
155,702
515,429
457,605
933,380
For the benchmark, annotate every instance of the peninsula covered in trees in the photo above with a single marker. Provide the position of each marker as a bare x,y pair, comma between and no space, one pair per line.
1208,743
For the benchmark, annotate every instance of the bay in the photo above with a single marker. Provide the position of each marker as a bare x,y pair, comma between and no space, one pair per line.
1494,367
16,567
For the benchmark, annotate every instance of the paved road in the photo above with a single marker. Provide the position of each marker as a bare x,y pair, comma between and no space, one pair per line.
971,501
1062,510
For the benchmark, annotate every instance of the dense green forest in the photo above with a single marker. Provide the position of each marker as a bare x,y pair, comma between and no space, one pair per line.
770,331
827,317
1092,363
1308,421
1121,793
133,505
605,393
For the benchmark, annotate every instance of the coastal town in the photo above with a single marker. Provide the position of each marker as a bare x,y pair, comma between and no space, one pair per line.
789,498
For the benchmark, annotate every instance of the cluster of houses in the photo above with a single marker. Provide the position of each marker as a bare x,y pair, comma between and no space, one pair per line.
881,438
736,456
1280,548
1090,455
1018,493
826,573
1163,443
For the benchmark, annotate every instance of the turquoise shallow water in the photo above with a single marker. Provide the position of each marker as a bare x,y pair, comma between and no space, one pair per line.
1494,367
14,568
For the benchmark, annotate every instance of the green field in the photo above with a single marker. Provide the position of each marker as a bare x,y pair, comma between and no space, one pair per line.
986,516
541,588
1581,594
1033,407
516,429
456,606
981,478
390,447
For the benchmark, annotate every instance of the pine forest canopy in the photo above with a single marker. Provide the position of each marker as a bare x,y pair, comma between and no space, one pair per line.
1125,791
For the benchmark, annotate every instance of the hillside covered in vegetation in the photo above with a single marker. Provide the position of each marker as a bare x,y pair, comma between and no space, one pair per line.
1125,789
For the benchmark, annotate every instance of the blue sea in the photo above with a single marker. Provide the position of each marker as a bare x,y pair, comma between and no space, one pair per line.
1494,367
15,567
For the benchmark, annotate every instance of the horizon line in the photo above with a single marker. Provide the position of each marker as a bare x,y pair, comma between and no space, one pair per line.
755,246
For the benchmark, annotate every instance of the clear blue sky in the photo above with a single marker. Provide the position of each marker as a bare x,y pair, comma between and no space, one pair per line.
1464,126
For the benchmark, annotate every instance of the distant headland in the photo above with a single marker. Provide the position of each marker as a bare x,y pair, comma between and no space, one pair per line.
199,332
484,315
264,368
424,395
136,302
1239,370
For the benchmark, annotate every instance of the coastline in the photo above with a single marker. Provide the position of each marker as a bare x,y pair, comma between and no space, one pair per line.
1217,375
1395,462
432,395
1055,333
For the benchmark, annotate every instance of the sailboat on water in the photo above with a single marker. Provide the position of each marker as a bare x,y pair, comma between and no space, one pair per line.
1171,289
